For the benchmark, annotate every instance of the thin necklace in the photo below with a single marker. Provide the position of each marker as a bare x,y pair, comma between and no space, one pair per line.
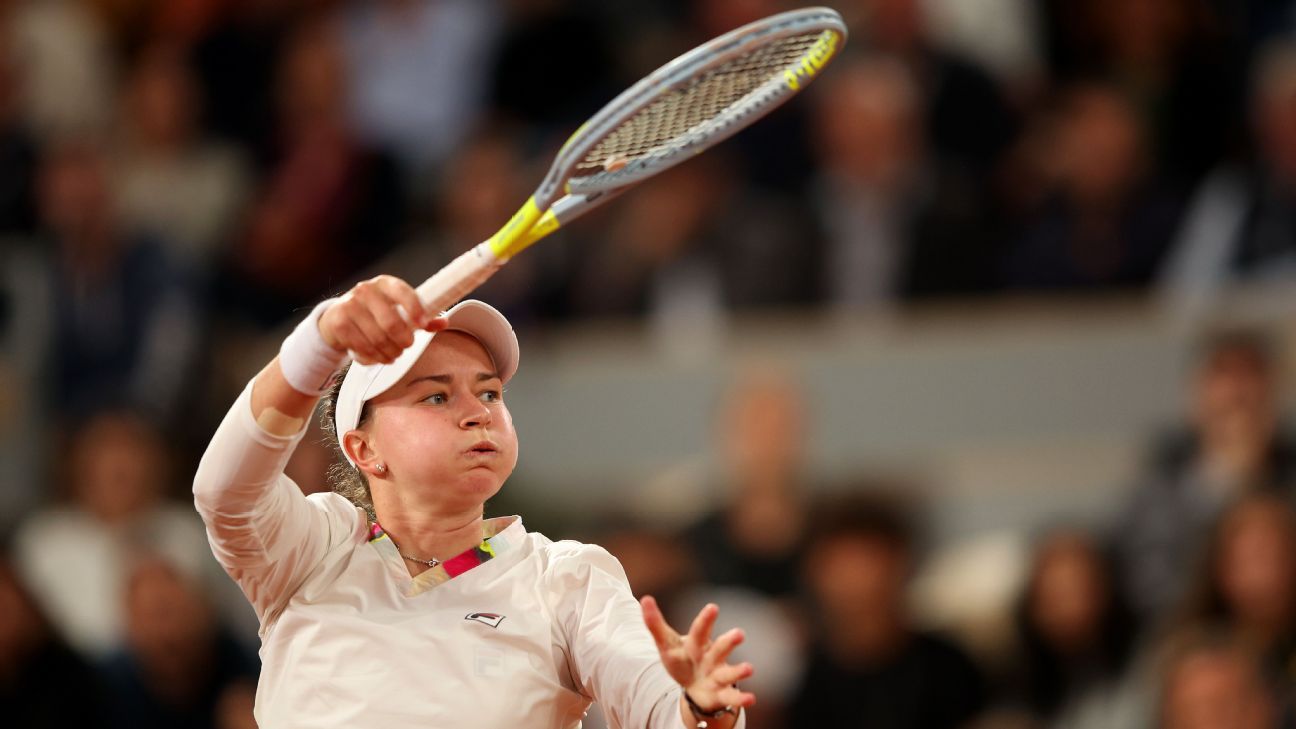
429,562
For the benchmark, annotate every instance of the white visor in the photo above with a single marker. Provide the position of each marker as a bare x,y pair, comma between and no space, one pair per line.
365,382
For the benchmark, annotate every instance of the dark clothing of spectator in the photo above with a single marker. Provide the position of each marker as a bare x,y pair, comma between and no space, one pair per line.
723,564
137,705
120,333
1266,241
235,64
752,252
17,182
954,243
1044,681
52,688
929,684
969,122
1059,250
558,41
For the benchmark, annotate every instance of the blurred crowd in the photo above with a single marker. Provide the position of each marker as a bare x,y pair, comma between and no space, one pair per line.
1177,611
180,180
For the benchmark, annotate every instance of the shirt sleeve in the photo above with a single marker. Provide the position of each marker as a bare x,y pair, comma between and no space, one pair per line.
265,533
613,656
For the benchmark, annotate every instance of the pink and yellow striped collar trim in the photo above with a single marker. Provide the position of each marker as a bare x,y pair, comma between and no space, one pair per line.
502,534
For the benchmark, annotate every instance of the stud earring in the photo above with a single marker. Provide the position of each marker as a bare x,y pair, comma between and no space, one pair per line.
382,468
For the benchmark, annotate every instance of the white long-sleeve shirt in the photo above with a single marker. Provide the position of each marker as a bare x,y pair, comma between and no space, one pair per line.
526,636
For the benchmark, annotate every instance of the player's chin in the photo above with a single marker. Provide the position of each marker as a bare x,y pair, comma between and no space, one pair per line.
481,482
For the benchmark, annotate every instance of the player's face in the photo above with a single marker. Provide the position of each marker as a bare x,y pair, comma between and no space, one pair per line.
443,431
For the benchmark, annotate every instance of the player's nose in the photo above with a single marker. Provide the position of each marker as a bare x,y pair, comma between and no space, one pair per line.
476,416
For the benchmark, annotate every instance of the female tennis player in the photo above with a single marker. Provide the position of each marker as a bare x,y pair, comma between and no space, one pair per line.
400,605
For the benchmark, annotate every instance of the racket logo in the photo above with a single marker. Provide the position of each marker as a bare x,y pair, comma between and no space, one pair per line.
491,619
815,59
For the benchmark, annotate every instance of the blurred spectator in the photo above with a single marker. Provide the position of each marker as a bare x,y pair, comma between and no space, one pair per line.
897,224
555,65
65,66
1232,446
235,58
330,204
1258,22
126,326
1076,639
75,556
1212,682
1102,221
692,246
122,20
755,538
1241,225
43,683
174,185
1249,587
178,665
419,69
967,122
1000,35
1168,57
869,666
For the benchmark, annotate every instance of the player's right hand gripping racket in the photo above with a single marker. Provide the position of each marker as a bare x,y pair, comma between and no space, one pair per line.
692,103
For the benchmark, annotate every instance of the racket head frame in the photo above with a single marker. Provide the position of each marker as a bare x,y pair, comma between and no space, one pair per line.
562,196
588,192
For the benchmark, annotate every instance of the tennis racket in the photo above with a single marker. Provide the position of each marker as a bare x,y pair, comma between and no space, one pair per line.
683,108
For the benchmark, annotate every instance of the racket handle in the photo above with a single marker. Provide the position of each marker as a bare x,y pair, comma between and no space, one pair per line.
458,278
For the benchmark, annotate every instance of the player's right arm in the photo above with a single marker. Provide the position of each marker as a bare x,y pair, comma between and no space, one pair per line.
262,530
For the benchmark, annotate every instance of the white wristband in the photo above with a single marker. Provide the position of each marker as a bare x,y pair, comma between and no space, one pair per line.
306,360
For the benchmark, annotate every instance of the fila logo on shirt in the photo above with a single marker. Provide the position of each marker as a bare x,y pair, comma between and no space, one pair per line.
490,619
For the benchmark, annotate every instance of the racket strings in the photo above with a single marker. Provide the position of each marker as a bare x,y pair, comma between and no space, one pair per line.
673,119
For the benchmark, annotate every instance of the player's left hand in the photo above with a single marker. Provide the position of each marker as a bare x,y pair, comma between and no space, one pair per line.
698,663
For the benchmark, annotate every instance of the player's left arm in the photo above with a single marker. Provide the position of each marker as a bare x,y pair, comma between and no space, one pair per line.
614,653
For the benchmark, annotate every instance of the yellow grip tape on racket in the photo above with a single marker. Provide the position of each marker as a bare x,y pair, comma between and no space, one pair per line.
527,226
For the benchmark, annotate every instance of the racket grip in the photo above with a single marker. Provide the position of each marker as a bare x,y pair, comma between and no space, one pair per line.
458,278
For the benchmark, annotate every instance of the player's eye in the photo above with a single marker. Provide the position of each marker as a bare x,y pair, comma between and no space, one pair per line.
490,396
436,398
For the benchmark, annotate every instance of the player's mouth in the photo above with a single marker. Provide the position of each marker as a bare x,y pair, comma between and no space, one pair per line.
483,448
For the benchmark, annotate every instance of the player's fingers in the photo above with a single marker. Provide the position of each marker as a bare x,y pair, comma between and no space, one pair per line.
662,633
729,674
734,696
404,296
719,651
356,342
384,349
377,295
700,631
397,329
